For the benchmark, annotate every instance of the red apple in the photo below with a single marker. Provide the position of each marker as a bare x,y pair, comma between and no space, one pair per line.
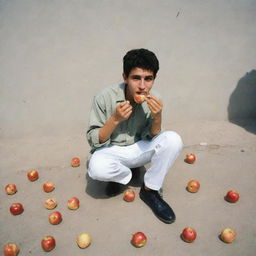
139,98
32,175
139,239
11,249
232,196
129,195
193,186
75,162
228,235
83,240
55,218
188,235
50,203
48,243
190,158
10,189
48,186
16,208
73,203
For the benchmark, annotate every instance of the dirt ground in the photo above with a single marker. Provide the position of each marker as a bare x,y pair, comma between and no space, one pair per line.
226,159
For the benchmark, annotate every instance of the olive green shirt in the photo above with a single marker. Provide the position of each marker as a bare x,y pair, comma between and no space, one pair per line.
136,127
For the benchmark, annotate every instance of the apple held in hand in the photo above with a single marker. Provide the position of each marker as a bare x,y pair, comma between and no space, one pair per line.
32,175
193,186
48,186
73,203
83,240
50,203
228,235
16,208
188,235
55,218
139,98
232,196
10,189
190,158
11,249
129,195
139,239
48,243
75,162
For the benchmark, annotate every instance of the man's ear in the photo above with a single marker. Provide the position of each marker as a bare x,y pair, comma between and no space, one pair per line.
124,77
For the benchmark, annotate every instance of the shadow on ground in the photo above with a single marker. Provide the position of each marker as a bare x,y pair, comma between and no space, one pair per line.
242,103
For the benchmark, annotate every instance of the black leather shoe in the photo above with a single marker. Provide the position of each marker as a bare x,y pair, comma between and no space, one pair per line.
160,208
114,189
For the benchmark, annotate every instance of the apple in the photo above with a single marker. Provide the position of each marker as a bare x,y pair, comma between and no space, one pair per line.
190,158
188,235
50,203
48,186
11,249
232,196
75,162
16,208
129,195
139,239
32,175
48,243
55,218
193,186
83,240
139,98
228,235
10,189
73,203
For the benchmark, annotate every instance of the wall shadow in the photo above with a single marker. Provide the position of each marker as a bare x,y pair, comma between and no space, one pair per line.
242,103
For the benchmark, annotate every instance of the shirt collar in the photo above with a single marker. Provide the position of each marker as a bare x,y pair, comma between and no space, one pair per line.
121,93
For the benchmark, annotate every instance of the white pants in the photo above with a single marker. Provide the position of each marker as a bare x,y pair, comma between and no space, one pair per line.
113,163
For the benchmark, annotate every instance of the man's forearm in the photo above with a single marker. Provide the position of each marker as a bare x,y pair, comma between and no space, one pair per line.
108,128
156,126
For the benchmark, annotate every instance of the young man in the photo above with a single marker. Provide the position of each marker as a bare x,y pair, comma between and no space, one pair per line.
124,134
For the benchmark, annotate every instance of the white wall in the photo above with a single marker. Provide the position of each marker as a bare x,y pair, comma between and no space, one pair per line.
56,54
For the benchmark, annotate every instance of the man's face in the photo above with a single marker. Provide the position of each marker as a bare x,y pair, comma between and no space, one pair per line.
139,81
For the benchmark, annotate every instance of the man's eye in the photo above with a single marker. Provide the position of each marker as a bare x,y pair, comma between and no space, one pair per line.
149,78
136,77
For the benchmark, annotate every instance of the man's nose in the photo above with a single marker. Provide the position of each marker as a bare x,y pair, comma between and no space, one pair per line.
142,84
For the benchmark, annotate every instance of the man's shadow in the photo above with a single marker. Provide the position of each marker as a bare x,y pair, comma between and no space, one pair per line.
97,189
242,103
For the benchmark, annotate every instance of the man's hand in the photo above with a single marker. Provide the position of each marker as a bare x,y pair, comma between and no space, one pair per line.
155,106
123,111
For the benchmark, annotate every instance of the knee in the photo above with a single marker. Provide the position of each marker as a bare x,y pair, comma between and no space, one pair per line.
173,140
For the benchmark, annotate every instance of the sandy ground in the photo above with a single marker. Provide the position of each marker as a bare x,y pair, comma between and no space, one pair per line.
225,161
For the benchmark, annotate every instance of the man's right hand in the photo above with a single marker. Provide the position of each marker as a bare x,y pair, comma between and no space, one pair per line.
123,111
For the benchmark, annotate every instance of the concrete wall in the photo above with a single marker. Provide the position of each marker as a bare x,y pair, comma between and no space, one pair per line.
56,54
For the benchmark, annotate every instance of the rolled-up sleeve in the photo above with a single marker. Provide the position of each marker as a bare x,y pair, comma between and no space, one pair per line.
97,120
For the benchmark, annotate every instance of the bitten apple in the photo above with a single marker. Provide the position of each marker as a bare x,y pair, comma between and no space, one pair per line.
75,162
73,203
48,243
139,239
83,240
190,158
193,186
228,235
11,249
10,189
55,218
129,195
32,175
232,196
16,208
48,186
188,235
50,203
139,98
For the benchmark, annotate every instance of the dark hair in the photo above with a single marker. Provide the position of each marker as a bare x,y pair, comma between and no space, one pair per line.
140,58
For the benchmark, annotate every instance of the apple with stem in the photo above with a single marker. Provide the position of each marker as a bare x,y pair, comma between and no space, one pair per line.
10,189
190,158
228,235
75,162
48,243
50,203
16,208
32,175
232,196
55,217
193,186
139,239
48,186
11,249
129,195
83,240
73,203
188,235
